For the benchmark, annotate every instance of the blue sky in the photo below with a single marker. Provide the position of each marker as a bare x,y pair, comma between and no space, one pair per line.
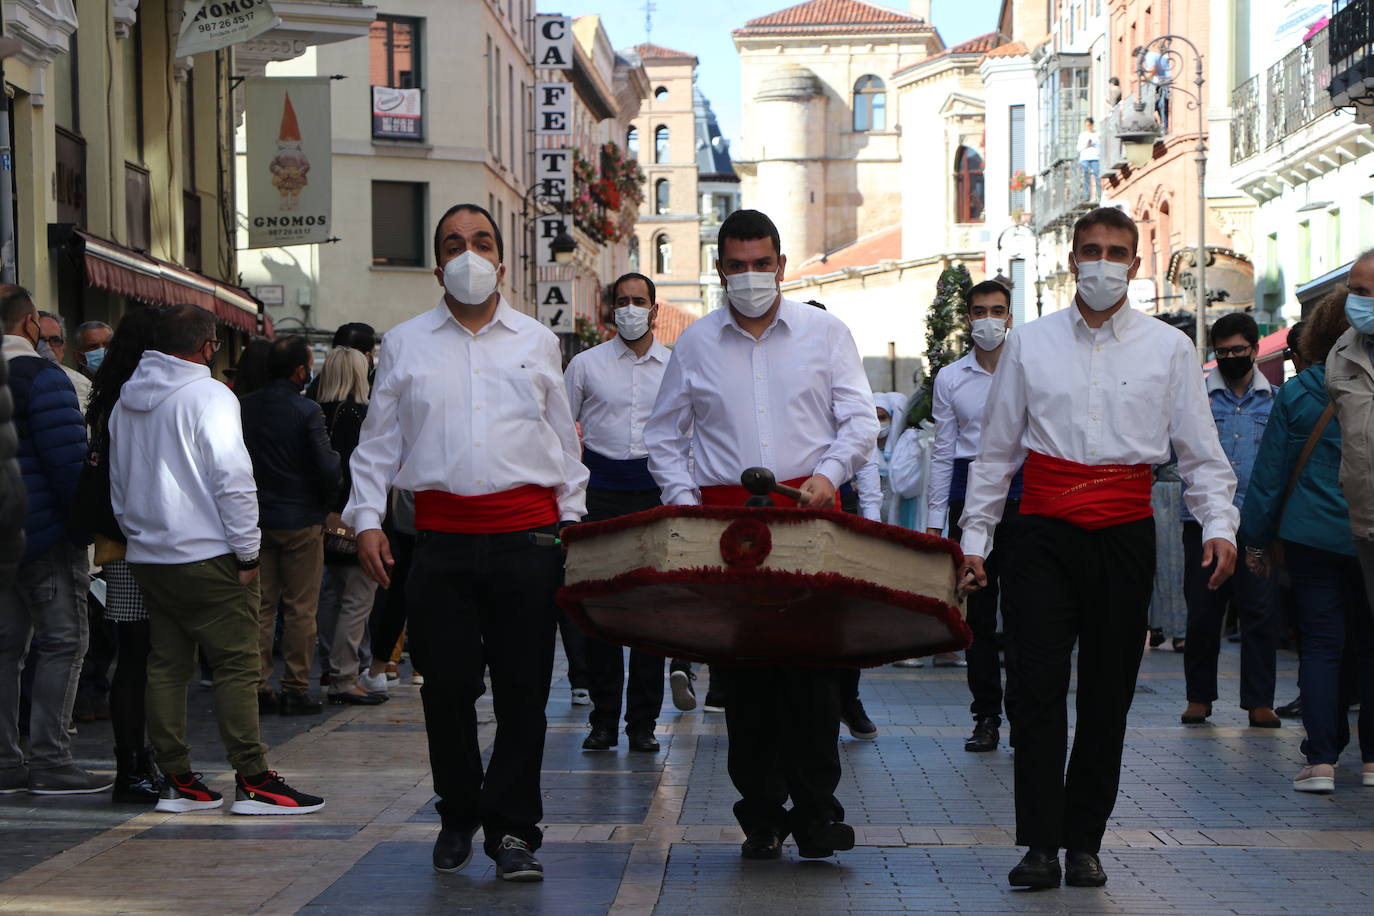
703,28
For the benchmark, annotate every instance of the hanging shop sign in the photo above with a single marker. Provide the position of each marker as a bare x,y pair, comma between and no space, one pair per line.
289,150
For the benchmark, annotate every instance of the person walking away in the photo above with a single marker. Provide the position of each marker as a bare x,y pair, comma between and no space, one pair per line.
1088,399
768,382
1241,399
297,474
343,390
181,487
959,401
40,624
1295,498
469,412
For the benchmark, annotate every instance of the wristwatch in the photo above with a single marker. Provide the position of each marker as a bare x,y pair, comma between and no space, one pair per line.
247,562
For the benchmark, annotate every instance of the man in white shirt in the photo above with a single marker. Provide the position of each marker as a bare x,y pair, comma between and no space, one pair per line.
1088,399
960,397
469,412
182,489
611,390
768,382
1090,160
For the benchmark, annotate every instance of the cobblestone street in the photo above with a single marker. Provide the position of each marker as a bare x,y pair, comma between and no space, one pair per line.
1206,823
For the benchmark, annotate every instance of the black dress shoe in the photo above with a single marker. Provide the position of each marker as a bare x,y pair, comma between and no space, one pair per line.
1038,868
821,841
985,735
762,844
644,741
358,699
1082,869
268,702
601,739
299,703
452,850
856,718
515,861
1292,710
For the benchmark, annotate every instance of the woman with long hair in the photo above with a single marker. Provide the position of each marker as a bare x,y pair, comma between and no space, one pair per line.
343,395
1295,498
136,777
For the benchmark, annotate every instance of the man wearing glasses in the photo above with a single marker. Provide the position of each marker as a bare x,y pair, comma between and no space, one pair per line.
1240,399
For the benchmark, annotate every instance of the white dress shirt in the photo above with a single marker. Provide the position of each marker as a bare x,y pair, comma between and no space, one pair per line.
467,413
869,483
611,392
795,401
1123,393
961,393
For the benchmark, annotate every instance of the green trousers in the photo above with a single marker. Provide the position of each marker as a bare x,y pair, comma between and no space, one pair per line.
202,605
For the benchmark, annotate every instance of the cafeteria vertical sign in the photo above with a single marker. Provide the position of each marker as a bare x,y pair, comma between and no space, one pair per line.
209,25
289,187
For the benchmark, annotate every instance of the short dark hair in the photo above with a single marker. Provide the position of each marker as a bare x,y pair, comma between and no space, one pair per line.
470,208
1114,81
356,334
1233,324
987,287
747,225
615,287
1294,338
15,305
183,328
1110,217
1090,121
287,355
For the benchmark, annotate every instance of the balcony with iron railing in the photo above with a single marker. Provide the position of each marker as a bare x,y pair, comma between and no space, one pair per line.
1284,99
1351,52
1061,194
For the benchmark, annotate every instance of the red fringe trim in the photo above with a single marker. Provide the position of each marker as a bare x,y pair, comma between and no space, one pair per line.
570,598
915,540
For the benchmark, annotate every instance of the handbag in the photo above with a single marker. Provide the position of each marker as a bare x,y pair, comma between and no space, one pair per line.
340,539
1276,549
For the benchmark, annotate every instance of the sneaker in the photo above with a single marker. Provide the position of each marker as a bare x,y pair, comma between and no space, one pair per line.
856,718
1320,777
67,780
684,695
14,779
581,696
949,660
1367,775
187,793
266,793
515,861
417,680
373,683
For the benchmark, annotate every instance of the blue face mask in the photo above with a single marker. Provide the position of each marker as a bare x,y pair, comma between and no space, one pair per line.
1360,311
94,358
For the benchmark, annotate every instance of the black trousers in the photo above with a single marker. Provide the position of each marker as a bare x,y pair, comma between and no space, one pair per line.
389,609
984,666
784,728
606,660
1256,604
477,602
1066,584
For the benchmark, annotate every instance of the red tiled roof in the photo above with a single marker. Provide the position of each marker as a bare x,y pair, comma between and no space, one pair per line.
1010,49
981,45
672,321
883,245
658,52
845,16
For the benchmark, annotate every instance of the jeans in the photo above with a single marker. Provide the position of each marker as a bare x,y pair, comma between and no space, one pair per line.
1092,181
292,563
1332,611
1256,603
479,602
41,626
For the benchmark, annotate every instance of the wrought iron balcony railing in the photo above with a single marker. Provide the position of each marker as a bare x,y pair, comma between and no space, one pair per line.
1061,194
1284,99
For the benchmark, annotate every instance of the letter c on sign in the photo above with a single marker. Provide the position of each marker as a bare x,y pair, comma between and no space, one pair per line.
553,29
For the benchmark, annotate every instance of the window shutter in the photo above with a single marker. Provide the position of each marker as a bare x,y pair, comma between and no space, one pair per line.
1018,152
1018,292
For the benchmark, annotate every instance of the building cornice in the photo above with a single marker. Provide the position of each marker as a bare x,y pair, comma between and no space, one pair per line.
43,29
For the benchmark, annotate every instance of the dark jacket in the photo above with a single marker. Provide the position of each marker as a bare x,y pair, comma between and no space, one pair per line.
344,420
296,471
14,503
52,446
1316,514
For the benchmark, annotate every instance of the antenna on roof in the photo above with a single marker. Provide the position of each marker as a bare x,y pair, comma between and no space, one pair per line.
649,9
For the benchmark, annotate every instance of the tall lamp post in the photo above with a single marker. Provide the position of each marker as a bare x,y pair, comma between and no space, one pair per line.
1139,131
1039,284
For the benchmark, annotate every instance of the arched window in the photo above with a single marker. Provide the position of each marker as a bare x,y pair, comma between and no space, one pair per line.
663,255
632,141
661,196
661,144
661,93
870,104
968,185
634,253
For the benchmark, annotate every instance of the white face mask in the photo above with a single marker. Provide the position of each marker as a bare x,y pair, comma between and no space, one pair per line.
1102,284
988,333
631,322
752,293
470,278
884,427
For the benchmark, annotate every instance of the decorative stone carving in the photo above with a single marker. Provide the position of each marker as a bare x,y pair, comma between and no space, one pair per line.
43,29
181,68
125,14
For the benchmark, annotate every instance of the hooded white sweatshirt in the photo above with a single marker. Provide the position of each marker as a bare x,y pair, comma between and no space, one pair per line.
181,481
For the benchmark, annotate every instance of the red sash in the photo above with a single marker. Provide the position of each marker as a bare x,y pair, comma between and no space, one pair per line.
735,496
1087,495
520,509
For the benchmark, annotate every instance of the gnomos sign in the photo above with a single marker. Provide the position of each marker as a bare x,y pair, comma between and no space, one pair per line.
209,25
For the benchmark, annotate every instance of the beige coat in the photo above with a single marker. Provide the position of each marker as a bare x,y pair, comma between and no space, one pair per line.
1350,380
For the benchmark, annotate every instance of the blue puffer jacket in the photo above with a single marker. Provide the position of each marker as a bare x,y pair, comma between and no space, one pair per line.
14,504
52,446
1317,514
